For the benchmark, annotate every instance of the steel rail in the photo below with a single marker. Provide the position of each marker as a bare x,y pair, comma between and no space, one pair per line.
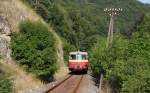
78,85
61,82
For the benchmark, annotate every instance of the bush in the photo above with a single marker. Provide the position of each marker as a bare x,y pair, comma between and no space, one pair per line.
127,64
33,48
5,84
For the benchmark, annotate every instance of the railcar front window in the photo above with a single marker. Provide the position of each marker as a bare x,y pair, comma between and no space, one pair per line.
79,57
84,57
73,57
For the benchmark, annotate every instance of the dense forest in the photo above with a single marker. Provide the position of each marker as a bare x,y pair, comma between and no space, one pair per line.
81,21
82,24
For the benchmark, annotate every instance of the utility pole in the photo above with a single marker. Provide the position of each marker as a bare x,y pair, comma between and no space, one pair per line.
112,12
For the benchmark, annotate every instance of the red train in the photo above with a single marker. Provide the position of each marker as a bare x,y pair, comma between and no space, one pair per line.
78,61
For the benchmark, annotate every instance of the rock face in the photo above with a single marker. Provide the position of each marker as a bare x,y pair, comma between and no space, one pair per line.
5,51
4,28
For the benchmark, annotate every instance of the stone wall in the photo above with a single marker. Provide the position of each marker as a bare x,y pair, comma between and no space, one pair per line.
5,32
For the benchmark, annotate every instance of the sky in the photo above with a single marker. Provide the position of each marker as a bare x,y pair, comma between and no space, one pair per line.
145,1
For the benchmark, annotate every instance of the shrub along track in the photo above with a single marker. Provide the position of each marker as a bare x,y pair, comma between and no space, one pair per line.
15,12
70,84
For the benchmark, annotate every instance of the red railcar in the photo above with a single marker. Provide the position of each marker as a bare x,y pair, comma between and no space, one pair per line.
78,61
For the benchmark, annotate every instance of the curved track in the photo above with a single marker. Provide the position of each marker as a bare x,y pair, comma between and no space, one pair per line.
70,84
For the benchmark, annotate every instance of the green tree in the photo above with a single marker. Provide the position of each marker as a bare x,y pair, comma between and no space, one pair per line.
34,48
126,65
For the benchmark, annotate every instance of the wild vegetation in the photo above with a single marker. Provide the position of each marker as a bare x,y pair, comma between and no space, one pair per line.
5,83
82,22
127,64
83,25
34,49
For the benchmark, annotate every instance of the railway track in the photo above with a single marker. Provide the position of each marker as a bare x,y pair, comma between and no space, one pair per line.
78,85
70,84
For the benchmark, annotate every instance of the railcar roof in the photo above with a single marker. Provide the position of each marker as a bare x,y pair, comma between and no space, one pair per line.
78,52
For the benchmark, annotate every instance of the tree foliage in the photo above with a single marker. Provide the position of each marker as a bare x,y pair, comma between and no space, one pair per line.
83,25
82,21
33,48
127,64
5,83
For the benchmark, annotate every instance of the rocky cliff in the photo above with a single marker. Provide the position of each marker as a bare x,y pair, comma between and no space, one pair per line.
5,51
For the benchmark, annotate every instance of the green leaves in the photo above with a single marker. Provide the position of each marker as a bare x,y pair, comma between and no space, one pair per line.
34,48
138,61
127,64
5,84
83,24
137,75
79,22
